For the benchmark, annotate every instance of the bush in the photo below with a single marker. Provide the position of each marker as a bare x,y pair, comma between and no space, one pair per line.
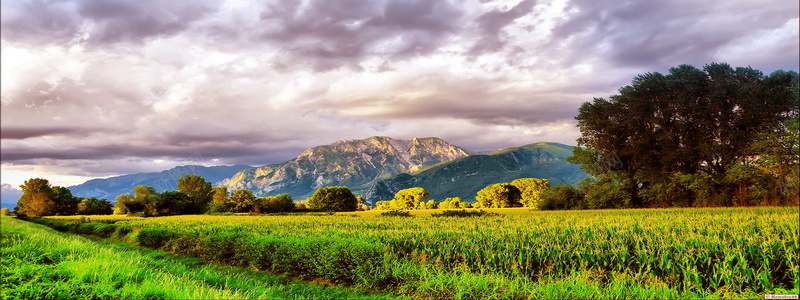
155,237
186,245
220,247
120,232
396,213
464,213
86,228
5,211
346,262
104,230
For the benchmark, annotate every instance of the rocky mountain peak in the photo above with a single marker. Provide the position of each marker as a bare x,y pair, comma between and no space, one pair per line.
354,163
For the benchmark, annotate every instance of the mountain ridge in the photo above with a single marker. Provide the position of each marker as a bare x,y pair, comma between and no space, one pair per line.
353,163
464,177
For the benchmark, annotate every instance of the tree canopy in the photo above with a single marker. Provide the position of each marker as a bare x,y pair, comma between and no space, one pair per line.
243,200
37,198
410,198
530,190
499,196
684,132
199,193
333,198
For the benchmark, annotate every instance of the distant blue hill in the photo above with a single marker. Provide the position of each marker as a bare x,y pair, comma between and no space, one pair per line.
110,188
9,195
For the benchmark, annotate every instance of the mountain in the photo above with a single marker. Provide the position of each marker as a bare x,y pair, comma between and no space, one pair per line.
110,188
464,177
9,195
353,163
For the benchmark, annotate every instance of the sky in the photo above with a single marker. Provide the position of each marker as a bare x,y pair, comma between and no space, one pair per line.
95,88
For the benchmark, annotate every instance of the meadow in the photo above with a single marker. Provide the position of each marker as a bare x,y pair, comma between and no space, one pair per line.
39,263
516,254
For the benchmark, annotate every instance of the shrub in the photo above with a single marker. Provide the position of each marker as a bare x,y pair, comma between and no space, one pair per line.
186,245
464,213
120,232
344,262
5,211
396,213
104,230
155,237
258,251
220,247
85,228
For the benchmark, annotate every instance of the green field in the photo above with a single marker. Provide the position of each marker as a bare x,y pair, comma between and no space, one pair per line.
649,253
39,263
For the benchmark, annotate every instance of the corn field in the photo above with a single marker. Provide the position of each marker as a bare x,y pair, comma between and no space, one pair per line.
697,251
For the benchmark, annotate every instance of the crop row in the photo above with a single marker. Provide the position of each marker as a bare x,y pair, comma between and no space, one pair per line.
697,250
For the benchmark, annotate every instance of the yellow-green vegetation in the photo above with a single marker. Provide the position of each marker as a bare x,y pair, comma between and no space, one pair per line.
39,263
520,253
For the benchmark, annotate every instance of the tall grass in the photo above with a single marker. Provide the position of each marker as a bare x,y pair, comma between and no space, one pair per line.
38,263
673,253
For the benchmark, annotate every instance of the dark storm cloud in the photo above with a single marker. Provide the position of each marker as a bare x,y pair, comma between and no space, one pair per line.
20,154
660,34
39,21
334,33
21,133
492,23
105,22
118,21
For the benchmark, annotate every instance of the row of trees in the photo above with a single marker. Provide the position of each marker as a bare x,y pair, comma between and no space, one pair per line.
196,196
39,198
244,201
192,197
523,192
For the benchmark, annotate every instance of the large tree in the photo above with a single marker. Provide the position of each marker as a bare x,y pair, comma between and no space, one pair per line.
36,199
94,206
142,203
198,193
530,190
499,196
410,198
691,122
333,198
243,200
64,204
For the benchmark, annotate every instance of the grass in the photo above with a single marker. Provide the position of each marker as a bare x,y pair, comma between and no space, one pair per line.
521,254
39,263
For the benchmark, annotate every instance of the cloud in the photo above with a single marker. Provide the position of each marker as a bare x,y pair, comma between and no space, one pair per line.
666,33
97,22
492,23
98,88
335,33
21,133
